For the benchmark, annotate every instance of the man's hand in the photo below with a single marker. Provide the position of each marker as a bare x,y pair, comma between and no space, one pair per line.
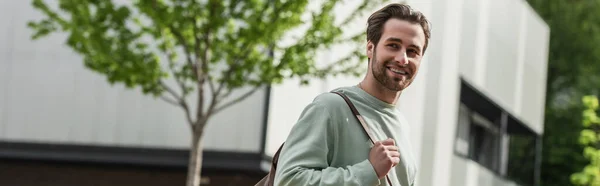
384,156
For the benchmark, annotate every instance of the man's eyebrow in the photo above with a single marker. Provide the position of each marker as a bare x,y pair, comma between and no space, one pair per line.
416,47
395,39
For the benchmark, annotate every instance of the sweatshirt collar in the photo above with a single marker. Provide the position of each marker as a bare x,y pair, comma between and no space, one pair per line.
372,99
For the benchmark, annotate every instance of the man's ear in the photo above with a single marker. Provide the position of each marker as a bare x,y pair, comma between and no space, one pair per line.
370,48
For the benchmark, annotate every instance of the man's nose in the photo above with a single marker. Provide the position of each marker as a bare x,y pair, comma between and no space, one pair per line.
402,58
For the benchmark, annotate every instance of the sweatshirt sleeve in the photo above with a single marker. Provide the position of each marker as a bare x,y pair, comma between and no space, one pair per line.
304,157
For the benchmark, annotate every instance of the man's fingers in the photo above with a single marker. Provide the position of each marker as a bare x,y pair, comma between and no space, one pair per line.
391,148
388,141
394,154
395,161
378,143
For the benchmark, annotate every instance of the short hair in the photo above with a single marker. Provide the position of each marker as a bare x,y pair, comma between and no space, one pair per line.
404,12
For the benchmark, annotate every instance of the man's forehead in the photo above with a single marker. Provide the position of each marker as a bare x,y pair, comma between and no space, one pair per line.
404,30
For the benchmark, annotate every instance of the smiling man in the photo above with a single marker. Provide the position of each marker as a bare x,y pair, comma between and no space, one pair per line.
327,146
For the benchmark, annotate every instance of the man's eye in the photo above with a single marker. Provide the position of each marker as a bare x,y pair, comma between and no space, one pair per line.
393,45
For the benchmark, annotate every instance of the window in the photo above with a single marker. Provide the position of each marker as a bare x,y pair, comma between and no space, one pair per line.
478,139
495,139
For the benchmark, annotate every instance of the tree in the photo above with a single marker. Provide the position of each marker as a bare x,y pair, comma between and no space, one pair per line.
590,139
225,46
573,71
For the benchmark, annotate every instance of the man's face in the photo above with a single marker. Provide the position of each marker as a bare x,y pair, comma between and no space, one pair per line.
395,60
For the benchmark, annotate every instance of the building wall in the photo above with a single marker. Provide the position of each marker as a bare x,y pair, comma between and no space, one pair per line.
48,96
468,173
482,44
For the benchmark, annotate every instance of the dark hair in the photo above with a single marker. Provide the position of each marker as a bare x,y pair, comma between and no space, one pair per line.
398,11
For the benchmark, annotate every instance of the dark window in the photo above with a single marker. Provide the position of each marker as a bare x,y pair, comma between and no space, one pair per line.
485,146
492,137
478,139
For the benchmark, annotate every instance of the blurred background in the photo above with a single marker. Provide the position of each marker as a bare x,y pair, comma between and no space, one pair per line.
121,92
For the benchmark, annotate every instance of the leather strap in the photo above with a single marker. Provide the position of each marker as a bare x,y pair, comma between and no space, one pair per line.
362,122
271,177
360,119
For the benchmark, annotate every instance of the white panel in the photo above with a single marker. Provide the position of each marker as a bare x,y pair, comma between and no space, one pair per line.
448,82
460,172
469,40
20,103
434,63
469,173
54,105
502,53
239,126
6,45
128,109
482,38
154,129
520,59
534,85
87,98
486,177
532,89
106,126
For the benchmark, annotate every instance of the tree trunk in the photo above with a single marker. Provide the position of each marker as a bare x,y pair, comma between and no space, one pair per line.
195,164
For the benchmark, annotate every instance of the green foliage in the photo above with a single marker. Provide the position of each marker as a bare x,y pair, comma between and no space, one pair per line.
227,44
521,155
590,175
100,34
573,71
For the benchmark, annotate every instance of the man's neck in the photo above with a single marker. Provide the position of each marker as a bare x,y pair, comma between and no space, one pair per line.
379,91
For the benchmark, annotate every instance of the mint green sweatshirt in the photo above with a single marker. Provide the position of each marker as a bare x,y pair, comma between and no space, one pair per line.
327,145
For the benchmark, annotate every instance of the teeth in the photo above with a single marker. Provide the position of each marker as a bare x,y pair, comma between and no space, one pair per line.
398,71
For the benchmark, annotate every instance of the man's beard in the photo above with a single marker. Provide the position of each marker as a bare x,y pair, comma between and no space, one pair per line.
379,71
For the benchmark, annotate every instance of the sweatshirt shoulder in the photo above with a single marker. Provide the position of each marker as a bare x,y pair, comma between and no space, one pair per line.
329,100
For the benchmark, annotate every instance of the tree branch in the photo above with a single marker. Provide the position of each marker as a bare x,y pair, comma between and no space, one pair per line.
189,61
187,114
186,48
238,99
217,94
169,100
217,97
226,94
178,80
180,101
170,90
202,72
211,85
202,65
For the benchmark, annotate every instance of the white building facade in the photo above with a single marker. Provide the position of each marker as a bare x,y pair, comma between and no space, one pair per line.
478,100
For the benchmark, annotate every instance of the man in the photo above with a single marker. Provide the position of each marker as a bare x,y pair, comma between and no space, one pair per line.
328,146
